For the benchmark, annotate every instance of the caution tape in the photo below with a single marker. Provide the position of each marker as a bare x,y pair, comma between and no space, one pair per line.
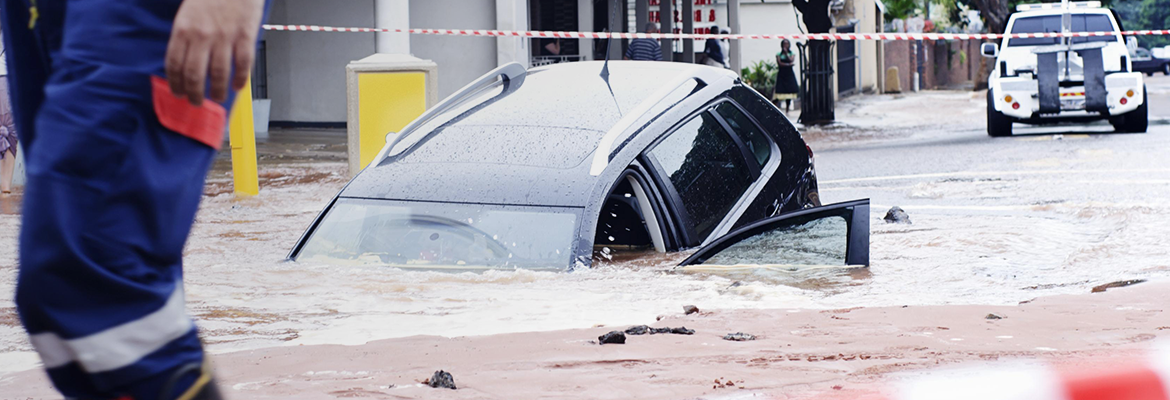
1143,378
705,36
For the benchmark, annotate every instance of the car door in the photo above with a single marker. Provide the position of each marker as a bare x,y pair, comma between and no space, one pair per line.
831,235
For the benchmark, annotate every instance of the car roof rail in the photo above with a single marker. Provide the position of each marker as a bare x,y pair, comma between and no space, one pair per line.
506,72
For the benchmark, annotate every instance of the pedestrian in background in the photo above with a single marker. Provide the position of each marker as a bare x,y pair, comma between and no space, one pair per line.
8,140
786,86
645,49
713,51
109,99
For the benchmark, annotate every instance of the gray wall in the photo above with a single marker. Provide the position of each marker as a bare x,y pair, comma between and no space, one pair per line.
306,70
461,59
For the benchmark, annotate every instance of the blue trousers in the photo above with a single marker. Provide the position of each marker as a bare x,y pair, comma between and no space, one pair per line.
111,196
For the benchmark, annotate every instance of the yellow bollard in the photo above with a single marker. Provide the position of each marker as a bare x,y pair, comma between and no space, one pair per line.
387,101
243,141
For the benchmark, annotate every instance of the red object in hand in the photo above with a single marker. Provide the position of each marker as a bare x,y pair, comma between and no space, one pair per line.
203,123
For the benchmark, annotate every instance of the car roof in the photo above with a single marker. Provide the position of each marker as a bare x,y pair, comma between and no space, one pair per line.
524,141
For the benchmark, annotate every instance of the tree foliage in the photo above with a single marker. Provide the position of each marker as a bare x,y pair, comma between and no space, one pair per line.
901,9
1155,14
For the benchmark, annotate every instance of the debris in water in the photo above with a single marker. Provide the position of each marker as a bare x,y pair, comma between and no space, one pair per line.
897,216
643,329
660,317
994,316
638,330
739,337
614,337
441,379
719,383
1111,285
690,310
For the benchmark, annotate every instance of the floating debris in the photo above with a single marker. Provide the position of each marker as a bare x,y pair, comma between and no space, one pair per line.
739,337
994,316
638,330
441,379
1111,285
614,337
688,310
643,330
897,216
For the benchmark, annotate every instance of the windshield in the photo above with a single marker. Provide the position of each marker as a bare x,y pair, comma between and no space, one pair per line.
1051,23
442,235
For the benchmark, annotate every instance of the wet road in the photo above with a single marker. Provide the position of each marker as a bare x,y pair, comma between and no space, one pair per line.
1054,209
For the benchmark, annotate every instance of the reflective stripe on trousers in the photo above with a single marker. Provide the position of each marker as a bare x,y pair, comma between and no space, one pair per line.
118,346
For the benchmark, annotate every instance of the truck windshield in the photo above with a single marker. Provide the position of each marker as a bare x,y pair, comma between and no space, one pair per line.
442,235
1051,23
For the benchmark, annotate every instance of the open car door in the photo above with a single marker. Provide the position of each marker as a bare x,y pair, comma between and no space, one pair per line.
832,235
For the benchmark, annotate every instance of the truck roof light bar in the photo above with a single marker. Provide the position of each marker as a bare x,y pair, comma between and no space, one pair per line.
1054,6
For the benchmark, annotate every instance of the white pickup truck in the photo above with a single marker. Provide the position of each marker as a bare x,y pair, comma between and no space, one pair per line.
1072,79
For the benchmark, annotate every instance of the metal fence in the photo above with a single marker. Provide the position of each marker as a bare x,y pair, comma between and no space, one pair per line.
816,86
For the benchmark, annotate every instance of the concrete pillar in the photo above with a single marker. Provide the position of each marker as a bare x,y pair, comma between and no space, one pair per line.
688,26
666,23
641,15
616,15
733,26
585,24
512,15
392,14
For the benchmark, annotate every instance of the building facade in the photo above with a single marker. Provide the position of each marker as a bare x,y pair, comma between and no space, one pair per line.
303,73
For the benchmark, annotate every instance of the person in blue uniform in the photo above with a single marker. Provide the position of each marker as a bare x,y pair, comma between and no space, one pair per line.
120,106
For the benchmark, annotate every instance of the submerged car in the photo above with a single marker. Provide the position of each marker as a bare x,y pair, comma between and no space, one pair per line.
548,168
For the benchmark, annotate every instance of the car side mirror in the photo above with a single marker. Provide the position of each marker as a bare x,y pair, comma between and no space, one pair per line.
989,50
1131,43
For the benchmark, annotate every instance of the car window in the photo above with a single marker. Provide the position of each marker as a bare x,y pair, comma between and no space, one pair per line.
1051,24
1142,53
757,143
707,169
817,242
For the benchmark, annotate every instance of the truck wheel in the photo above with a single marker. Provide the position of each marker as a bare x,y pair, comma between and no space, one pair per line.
1166,69
1136,121
998,125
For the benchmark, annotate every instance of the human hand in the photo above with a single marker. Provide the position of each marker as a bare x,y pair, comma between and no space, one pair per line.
209,38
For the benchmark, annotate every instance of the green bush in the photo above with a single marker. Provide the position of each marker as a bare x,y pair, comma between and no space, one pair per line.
761,76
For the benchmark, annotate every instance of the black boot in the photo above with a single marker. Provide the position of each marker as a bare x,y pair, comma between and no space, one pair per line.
204,387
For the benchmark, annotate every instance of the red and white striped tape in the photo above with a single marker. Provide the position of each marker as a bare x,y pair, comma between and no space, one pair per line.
704,36
1147,379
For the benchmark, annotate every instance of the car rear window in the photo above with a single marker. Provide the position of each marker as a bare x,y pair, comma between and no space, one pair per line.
1051,24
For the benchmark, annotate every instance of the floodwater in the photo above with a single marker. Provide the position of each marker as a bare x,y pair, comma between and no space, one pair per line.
1052,216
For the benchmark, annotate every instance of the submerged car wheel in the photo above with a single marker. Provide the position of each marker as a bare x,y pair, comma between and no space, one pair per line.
1166,69
1136,121
998,125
